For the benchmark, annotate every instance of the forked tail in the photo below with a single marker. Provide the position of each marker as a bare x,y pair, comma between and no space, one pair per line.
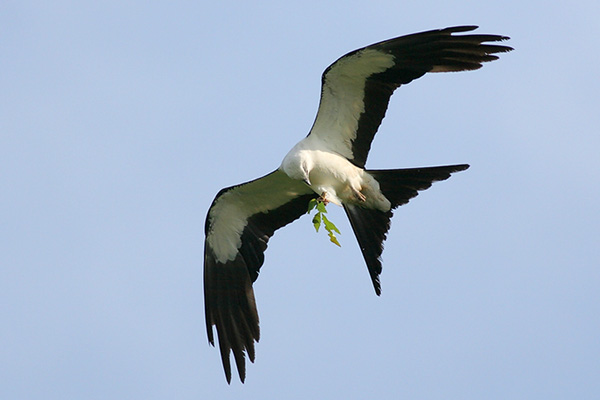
398,186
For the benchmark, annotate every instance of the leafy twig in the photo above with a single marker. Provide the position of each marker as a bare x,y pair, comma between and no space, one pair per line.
320,218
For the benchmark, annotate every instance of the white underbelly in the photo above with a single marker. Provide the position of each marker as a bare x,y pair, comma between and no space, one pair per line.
333,176
342,182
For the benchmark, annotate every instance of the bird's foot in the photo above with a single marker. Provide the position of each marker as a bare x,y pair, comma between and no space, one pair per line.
359,196
323,198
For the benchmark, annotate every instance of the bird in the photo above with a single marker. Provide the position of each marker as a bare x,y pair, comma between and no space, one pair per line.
328,165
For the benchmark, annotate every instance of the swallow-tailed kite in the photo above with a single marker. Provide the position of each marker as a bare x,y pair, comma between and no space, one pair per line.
329,165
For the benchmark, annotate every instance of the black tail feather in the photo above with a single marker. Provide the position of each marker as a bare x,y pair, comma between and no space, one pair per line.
401,185
370,228
398,186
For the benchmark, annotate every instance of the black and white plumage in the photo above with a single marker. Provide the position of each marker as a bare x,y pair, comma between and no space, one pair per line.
328,164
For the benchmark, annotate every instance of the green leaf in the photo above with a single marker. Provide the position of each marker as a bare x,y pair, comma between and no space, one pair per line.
330,226
312,204
321,207
317,221
320,218
333,239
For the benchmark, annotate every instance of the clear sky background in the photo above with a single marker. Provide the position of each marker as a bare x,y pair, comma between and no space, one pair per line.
120,121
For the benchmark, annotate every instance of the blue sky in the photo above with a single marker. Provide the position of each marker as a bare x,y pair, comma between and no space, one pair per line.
120,121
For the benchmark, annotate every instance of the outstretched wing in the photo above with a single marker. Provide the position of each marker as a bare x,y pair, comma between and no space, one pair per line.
356,89
238,226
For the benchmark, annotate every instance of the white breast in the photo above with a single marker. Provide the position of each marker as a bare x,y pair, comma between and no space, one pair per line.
332,174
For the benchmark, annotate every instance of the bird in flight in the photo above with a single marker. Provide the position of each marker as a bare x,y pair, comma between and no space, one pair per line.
327,165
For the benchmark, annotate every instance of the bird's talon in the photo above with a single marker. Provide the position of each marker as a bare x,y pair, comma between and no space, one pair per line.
323,199
359,196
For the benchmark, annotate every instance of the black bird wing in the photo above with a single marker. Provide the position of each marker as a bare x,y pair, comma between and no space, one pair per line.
238,226
356,89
